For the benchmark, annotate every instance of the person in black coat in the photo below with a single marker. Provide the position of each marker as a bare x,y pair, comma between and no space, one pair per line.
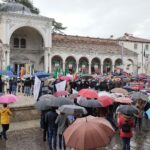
1,85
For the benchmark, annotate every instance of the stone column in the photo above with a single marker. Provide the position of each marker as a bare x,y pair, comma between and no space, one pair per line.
64,66
113,68
46,60
8,58
50,64
102,68
89,68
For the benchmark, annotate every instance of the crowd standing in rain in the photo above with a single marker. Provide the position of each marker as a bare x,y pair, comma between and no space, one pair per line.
105,96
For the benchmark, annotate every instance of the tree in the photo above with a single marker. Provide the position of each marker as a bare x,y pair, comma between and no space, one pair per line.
57,27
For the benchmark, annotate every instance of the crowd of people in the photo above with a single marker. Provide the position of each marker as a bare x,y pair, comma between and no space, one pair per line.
54,123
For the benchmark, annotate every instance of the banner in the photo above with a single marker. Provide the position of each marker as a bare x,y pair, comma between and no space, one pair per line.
74,91
61,86
37,85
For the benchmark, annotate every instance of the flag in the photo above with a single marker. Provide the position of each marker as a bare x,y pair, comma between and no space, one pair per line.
37,86
61,86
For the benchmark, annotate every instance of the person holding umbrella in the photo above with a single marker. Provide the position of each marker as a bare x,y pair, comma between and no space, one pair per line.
126,123
5,114
62,122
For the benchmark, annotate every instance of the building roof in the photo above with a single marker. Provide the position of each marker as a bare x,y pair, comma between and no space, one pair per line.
106,45
131,38
13,6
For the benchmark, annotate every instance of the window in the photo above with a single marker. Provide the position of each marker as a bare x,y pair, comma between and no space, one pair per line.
135,46
16,42
146,47
23,43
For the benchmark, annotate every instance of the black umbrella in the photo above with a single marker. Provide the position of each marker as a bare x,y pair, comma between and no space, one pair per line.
127,109
92,103
138,95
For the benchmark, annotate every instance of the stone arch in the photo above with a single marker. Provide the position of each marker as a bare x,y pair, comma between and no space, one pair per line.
70,64
118,65
39,30
57,64
84,65
95,65
107,65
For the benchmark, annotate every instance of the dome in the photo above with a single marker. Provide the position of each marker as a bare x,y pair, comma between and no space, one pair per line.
14,7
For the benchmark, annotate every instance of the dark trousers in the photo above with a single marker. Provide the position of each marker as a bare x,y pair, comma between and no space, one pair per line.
126,143
52,135
61,142
5,127
139,121
44,134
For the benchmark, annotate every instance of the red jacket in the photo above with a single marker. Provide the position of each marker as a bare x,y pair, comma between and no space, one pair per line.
121,122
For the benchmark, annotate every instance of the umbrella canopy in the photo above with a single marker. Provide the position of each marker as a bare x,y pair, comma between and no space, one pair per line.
119,90
46,104
47,96
127,109
138,95
88,133
82,101
88,93
41,74
60,93
72,109
67,78
124,100
105,100
59,101
104,93
7,99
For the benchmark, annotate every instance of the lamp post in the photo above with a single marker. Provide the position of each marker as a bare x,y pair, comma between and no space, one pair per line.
122,55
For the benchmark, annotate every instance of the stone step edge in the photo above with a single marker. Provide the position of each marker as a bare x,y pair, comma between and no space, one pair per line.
14,126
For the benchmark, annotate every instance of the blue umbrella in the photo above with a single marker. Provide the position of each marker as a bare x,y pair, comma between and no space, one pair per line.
41,74
148,113
8,73
2,72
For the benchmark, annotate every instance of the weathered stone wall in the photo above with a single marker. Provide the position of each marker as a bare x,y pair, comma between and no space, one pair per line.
24,114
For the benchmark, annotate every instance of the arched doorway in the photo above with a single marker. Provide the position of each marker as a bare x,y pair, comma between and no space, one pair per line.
95,66
130,66
57,65
26,50
118,65
107,65
83,65
70,65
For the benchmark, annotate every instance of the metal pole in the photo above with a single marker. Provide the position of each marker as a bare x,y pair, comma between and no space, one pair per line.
142,57
122,55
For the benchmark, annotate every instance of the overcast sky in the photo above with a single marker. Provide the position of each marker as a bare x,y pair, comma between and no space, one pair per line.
99,18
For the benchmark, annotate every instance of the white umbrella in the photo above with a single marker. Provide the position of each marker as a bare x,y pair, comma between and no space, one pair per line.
72,109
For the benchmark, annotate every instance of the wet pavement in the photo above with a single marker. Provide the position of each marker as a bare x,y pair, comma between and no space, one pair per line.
31,139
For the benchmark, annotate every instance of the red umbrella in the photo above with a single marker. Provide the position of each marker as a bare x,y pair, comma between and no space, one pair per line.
88,93
60,93
88,133
125,100
105,100
67,78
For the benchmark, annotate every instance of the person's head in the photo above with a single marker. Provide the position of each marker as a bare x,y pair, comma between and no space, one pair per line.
4,105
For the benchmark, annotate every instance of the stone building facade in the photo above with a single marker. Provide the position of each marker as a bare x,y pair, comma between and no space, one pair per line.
27,42
90,55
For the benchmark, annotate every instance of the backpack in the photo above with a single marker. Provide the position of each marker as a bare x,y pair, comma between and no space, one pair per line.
126,127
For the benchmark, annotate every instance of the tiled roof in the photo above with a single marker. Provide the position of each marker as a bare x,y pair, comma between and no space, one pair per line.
106,45
131,38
